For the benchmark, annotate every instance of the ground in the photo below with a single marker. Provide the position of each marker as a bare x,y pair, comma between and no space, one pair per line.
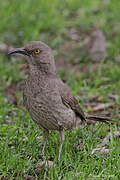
67,28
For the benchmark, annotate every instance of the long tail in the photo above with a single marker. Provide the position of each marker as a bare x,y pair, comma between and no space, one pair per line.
93,119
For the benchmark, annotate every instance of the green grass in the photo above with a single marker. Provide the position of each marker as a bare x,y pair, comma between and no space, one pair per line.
20,138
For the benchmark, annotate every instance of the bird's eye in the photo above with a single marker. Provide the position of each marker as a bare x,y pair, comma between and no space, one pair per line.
36,51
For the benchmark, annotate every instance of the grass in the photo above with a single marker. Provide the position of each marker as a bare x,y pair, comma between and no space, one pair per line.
20,138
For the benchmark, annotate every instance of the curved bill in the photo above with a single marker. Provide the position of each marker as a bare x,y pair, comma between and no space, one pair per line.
19,51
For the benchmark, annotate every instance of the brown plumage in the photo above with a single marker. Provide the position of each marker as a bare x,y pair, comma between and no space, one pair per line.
46,97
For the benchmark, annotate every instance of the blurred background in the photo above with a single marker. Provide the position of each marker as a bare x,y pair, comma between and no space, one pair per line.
85,39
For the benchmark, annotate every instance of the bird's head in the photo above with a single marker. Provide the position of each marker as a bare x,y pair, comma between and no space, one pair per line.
38,55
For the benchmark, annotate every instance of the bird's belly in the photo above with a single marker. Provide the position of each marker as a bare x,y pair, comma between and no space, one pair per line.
65,117
49,117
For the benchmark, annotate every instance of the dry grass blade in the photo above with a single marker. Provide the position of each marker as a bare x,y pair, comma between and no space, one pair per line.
102,106
101,146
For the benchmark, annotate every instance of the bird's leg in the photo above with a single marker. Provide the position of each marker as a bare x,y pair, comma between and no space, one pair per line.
62,137
45,136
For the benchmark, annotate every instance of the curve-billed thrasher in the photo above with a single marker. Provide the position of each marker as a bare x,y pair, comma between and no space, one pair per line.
48,100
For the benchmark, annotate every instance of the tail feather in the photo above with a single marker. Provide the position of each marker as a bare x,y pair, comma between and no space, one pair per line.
93,118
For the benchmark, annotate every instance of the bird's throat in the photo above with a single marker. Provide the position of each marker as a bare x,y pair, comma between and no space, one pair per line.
42,69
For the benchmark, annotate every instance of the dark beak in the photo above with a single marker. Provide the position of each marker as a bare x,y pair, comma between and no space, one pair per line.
19,51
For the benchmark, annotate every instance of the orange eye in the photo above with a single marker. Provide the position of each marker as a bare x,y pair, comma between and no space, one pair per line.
36,51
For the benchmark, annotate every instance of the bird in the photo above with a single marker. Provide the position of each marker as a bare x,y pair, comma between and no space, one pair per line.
46,97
